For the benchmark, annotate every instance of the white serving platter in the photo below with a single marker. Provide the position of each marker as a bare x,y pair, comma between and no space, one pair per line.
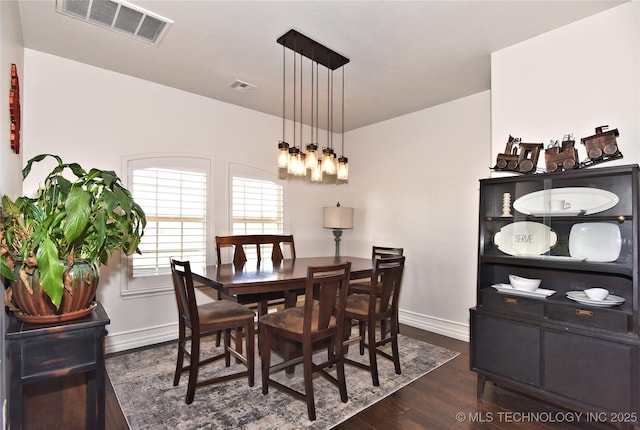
594,241
582,200
538,292
525,238
581,297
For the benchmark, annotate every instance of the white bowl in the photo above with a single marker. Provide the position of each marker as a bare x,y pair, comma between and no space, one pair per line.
520,283
596,293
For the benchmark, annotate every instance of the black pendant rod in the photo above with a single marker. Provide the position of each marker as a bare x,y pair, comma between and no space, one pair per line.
303,45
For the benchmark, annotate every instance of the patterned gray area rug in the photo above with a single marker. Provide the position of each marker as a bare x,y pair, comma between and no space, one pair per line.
143,381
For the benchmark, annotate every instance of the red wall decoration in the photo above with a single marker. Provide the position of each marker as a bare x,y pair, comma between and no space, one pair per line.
14,110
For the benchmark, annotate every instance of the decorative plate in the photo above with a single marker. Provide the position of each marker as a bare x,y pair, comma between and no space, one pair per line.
538,292
581,200
524,238
595,241
581,297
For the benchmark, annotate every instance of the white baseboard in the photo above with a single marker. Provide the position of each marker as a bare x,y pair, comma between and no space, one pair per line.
116,342
435,325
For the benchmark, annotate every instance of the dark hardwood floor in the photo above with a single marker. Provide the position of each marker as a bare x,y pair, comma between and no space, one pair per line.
442,399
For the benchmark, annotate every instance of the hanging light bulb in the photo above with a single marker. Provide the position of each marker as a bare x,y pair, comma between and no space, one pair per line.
294,156
343,168
311,159
283,155
316,173
343,162
300,169
328,161
283,147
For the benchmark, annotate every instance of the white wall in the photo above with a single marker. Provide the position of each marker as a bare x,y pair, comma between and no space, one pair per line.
571,80
11,52
416,186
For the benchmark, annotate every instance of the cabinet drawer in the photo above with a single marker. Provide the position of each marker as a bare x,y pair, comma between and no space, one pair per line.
590,316
512,303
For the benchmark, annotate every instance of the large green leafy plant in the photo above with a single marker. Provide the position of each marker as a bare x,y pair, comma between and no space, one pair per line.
87,218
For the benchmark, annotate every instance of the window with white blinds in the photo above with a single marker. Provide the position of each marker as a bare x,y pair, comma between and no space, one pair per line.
175,203
173,193
257,207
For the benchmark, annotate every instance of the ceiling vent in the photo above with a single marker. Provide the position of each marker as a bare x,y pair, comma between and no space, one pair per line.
118,16
243,87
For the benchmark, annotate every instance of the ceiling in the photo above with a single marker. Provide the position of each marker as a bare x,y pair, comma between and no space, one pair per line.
404,55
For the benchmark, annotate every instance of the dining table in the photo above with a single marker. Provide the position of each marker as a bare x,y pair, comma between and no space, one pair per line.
254,281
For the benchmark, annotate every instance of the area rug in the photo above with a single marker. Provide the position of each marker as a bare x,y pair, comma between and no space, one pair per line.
143,381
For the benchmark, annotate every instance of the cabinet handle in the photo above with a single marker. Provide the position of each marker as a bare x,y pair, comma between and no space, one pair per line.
584,313
511,301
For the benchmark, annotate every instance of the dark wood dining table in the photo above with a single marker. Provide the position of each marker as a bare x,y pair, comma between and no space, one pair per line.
253,279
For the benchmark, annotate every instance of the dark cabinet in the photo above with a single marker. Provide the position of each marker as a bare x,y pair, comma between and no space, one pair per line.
56,377
573,230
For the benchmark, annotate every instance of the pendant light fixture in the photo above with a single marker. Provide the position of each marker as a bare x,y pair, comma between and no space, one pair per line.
343,162
292,158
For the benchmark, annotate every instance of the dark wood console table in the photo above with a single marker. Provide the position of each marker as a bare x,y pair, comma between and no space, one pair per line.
56,373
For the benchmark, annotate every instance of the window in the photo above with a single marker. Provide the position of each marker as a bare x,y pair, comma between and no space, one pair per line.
173,192
257,205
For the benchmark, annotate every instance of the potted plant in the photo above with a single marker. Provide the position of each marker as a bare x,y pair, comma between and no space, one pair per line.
51,244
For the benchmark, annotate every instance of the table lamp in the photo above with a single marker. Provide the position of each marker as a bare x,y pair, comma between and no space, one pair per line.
338,218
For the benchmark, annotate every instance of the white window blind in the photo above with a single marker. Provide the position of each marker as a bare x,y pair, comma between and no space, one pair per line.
257,207
175,203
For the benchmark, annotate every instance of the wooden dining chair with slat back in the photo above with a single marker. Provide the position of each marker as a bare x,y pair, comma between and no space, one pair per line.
316,325
363,286
204,320
379,304
255,246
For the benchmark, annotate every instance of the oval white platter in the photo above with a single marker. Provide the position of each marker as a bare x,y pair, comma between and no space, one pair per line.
580,297
582,200
525,238
538,292
593,241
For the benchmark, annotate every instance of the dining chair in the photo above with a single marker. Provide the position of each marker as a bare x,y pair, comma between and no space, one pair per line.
204,320
256,245
316,325
380,304
363,286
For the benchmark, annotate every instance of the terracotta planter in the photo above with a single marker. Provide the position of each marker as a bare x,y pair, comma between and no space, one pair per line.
76,300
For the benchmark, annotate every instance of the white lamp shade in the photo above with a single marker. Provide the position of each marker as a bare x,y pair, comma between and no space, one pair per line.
338,217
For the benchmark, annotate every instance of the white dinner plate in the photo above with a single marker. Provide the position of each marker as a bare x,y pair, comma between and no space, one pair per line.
538,292
525,238
580,297
595,241
582,200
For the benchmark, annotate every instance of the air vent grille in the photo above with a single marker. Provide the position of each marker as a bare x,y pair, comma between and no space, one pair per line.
119,16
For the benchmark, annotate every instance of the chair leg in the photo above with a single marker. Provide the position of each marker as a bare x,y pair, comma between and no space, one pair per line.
265,354
361,328
180,360
373,359
394,345
342,381
307,352
250,339
193,369
227,345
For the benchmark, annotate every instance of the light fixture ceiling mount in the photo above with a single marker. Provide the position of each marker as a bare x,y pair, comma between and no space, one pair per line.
291,157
